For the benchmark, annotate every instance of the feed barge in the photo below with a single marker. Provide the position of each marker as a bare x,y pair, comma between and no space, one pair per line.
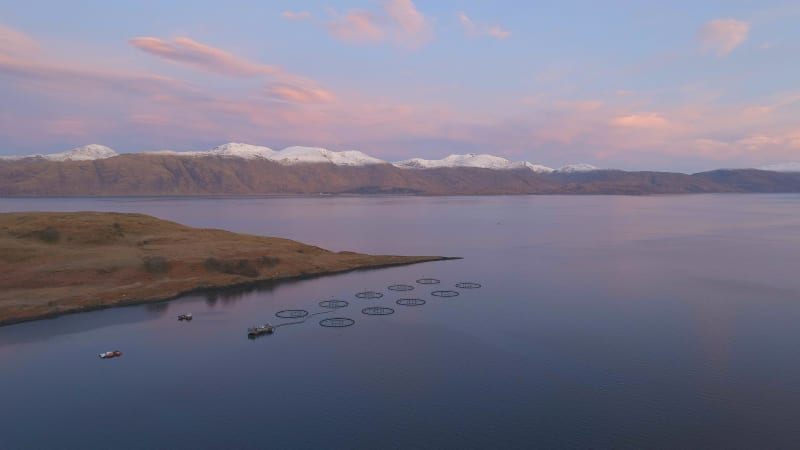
260,330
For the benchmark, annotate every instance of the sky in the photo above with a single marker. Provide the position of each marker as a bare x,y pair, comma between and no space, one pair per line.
680,85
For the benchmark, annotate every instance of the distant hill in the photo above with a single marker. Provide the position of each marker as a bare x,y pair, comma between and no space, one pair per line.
754,180
244,169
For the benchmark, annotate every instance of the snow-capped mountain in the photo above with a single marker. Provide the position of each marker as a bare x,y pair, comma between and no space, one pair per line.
782,167
229,150
571,168
301,155
487,162
468,160
537,168
304,155
288,156
86,153
245,151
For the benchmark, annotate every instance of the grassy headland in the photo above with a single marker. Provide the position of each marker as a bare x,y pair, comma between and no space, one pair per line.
57,263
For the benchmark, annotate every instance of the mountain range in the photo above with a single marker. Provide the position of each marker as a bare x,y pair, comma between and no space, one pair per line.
245,169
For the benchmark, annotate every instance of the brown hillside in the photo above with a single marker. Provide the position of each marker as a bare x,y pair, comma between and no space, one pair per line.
53,263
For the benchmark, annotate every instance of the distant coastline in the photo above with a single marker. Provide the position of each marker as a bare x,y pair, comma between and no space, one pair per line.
171,175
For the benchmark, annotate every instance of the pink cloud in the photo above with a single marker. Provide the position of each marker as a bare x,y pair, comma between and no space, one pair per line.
286,86
778,145
357,27
203,57
414,27
723,35
580,106
12,42
473,29
296,15
641,120
71,77
399,22
299,94
120,102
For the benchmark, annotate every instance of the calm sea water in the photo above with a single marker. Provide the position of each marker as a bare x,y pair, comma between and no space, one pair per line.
624,322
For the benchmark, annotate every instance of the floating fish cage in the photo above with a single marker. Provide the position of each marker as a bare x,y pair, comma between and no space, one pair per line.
369,295
291,313
444,294
337,322
428,281
333,304
377,311
401,287
410,302
468,285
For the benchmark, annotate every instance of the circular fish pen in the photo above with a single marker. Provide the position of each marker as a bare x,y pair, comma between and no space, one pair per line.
337,322
468,285
428,281
292,314
401,287
369,295
333,304
410,302
445,294
377,311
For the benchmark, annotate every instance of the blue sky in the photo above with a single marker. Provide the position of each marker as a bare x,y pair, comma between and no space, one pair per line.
635,85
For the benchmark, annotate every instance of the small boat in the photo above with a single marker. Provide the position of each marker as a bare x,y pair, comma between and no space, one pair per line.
260,330
187,316
108,355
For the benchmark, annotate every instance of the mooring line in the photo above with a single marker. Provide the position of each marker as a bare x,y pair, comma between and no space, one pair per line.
306,318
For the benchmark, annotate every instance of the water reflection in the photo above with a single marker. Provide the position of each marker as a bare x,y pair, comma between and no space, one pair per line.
602,322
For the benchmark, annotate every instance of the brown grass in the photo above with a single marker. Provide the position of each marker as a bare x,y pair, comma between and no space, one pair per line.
54,263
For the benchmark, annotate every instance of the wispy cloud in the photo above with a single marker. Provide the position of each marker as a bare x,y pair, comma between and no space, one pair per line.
296,15
722,36
413,27
71,77
298,93
641,120
124,103
473,29
12,42
185,51
356,26
398,22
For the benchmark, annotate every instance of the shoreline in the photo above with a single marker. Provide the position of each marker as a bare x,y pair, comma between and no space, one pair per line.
211,288
57,263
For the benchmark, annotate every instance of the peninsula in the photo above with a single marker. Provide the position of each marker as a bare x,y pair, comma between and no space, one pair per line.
58,263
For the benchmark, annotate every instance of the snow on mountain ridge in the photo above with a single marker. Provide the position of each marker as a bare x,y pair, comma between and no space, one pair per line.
86,153
246,151
229,150
305,155
472,160
572,168
469,160
782,167
536,168
302,155
287,156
